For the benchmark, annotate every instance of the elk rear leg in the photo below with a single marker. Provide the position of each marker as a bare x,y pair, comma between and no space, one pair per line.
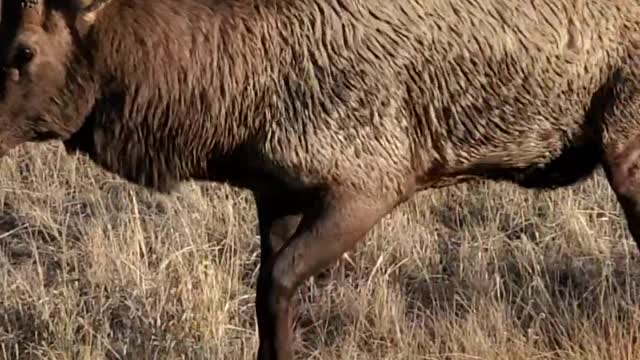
330,227
623,173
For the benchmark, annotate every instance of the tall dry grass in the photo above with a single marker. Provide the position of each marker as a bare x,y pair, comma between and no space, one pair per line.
94,268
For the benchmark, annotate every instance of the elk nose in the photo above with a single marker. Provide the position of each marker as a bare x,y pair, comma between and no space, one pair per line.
13,75
10,73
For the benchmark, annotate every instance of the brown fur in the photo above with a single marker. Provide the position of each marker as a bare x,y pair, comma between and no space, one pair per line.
331,111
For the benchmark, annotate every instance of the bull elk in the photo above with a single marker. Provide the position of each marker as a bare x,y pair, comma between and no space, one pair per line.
331,112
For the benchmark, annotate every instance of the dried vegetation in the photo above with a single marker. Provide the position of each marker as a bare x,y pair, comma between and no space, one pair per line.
94,268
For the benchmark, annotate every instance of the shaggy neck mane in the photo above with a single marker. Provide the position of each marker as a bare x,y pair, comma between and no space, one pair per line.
182,83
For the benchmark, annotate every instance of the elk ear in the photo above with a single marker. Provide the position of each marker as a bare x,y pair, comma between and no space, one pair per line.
88,5
87,11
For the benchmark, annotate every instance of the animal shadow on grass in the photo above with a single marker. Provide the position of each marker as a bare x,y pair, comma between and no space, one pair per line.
551,305
20,239
548,298
28,324
23,240
31,249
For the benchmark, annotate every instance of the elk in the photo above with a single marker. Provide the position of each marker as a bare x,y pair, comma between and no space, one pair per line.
330,112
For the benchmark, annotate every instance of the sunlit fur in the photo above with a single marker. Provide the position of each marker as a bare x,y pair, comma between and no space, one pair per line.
335,110
383,96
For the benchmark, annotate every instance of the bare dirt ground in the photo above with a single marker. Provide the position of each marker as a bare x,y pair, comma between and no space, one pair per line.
94,268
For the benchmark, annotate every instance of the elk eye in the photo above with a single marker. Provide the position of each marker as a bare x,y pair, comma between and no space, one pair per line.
23,56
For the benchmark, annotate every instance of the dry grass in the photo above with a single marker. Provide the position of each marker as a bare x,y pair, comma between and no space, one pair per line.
94,268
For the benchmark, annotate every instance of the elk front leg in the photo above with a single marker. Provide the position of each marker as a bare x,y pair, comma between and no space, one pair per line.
622,167
278,220
331,226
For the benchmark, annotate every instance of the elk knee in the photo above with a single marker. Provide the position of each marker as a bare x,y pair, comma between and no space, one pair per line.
277,285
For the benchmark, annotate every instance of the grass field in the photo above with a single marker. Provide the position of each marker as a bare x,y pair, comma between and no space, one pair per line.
94,268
